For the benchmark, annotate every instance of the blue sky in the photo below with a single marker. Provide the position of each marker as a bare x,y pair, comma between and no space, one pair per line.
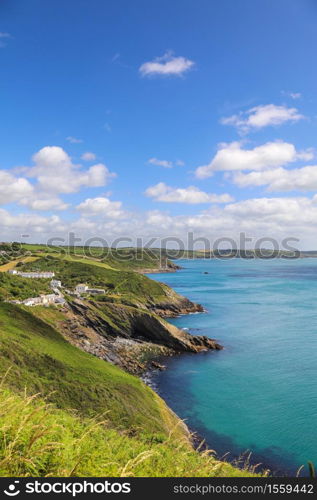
153,90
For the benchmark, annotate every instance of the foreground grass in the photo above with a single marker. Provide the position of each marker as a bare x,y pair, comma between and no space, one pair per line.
36,439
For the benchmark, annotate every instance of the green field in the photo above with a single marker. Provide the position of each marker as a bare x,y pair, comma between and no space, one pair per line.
138,259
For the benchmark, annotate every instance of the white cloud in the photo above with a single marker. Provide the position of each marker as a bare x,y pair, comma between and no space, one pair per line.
12,188
53,173
260,217
167,65
30,223
166,163
74,140
276,217
88,156
262,116
44,204
270,155
102,207
191,195
56,173
297,179
157,219
160,163
21,191
287,213
97,206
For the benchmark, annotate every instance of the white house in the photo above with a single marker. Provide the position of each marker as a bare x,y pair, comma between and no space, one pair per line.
48,299
81,288
33,301
56,284
44,300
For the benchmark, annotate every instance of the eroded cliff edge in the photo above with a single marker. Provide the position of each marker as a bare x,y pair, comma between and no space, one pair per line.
130,337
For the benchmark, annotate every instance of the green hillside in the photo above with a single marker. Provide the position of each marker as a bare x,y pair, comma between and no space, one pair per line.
100,421
15,287
130,258
44,362
134,287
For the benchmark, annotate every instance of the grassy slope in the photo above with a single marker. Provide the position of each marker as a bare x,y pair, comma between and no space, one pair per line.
42,361
140,437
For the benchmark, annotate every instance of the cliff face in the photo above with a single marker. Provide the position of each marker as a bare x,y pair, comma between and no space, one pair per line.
174,308
113,320
164,266
127,336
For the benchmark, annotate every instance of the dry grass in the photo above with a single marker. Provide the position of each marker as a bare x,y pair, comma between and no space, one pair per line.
13,263
36,439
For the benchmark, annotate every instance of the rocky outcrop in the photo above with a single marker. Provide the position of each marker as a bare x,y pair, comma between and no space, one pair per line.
114,320
127,336
155,329
177,308
165,266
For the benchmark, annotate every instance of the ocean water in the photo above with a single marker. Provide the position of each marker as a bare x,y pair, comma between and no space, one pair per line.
260,392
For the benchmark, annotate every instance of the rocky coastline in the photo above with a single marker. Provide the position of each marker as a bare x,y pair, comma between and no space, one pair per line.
132,338
167,269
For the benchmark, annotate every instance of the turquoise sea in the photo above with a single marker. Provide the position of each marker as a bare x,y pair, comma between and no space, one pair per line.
260,392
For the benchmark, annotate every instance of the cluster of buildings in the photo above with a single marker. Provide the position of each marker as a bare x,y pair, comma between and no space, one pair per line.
53,298
38,274
43,300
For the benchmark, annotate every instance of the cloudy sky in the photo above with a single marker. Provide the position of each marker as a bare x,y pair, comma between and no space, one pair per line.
158,118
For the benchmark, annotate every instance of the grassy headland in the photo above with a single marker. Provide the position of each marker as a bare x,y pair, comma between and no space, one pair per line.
95,418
